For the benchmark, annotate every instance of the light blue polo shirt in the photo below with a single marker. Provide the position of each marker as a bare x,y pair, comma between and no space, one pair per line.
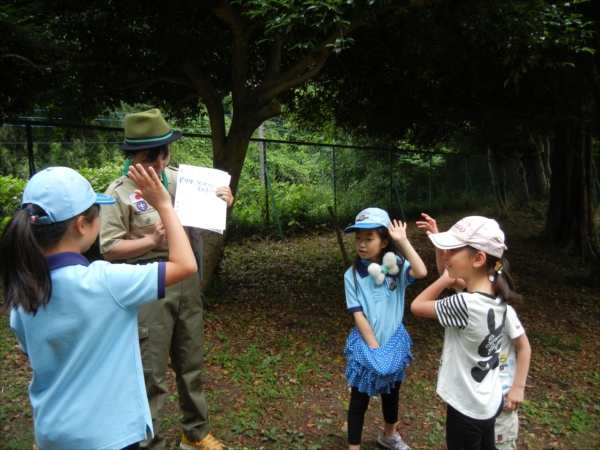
382,305
88,386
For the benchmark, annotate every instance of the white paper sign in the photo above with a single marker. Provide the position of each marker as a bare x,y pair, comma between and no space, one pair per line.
196,201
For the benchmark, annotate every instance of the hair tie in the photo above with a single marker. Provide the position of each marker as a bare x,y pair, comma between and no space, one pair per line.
498,267
33,216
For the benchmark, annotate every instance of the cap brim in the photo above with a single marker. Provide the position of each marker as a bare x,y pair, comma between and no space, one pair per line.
446,241
102,199
365,226
136,147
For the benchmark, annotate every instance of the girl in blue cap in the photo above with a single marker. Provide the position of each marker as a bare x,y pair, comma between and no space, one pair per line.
378,348
76,321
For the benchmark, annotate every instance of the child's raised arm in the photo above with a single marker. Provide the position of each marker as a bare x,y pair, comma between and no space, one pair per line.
182,263
424,304
516,394
397,232
430,227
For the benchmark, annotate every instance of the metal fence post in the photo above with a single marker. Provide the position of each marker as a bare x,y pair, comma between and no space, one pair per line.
264,169
30,149
466,181
334,180
430,195
274,204
391,180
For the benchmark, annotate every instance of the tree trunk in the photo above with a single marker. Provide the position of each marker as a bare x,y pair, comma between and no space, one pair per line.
230,158
546,157
212,244
570,220
515,166
498,176
538,166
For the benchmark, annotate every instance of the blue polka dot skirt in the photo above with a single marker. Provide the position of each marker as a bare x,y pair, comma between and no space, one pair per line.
375,370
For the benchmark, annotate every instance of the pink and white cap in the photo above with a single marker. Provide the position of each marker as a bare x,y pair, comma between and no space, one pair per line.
478,232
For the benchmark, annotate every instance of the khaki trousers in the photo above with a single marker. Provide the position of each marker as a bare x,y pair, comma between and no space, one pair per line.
174,326
507,428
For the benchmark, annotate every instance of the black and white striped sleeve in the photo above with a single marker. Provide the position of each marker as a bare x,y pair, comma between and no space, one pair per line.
452,311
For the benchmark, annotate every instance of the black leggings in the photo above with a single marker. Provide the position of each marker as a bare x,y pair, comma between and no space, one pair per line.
135,446
466,433
359,401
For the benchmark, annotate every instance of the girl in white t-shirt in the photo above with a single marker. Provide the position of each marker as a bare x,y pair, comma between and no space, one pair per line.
474,321
513,373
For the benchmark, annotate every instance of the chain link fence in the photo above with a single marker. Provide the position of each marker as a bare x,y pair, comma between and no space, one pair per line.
289,188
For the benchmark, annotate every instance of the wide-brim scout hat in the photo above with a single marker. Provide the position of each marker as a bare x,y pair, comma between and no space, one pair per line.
62,193
475,231
147,129
370,218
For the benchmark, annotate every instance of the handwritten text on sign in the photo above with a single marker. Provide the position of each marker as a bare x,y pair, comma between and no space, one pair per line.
196,202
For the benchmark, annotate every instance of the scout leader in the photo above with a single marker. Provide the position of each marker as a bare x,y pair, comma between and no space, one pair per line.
131,230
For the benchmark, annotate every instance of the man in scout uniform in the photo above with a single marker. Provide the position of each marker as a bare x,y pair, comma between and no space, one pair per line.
131,230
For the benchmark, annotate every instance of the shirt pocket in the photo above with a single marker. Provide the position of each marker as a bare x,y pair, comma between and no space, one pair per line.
141,221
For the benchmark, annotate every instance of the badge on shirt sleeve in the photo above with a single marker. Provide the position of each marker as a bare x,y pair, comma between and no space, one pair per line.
138,201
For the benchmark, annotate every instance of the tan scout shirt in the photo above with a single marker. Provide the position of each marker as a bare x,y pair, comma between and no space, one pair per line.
131,218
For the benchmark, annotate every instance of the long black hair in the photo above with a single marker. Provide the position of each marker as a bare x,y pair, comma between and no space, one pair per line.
23,267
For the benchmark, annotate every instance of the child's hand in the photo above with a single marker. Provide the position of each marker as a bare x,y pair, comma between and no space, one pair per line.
514,398
449,281
429,225
224,193
159,235
150,186
397,231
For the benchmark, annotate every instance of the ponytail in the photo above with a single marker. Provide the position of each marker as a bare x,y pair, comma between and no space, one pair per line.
503,283
24,269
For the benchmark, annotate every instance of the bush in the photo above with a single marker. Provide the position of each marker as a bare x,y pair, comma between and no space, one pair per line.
11,193
101,177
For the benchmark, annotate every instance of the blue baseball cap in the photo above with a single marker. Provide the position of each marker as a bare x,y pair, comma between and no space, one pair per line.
370,218
62,193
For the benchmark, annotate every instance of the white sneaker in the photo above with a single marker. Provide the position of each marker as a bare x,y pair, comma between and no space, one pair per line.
395,443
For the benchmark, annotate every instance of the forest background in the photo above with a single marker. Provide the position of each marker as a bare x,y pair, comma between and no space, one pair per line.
447,107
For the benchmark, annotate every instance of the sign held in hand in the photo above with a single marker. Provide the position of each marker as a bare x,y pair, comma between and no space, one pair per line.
196,201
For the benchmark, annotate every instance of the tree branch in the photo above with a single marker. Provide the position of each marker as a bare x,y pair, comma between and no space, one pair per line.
181,81
531,116
211,99
274,59
315,60
31,63
242,30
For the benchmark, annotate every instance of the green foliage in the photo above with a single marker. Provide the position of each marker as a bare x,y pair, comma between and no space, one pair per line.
101,177
550,35
11,192
193,151
290,18
54,146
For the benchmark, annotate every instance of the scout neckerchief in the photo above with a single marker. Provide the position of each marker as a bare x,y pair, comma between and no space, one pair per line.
163,174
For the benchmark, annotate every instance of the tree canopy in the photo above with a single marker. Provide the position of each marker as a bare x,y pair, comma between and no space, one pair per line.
385,68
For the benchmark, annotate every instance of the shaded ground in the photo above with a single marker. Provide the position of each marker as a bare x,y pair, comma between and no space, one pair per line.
276,326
